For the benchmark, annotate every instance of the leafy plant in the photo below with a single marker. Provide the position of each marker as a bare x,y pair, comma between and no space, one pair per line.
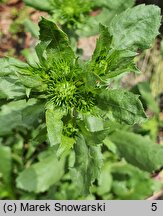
81,17
67,102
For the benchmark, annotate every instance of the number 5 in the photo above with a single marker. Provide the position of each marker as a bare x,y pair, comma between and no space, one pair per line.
154,207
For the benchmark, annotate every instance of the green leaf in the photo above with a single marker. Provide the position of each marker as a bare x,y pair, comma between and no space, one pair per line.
5,163
93,138
118,62
40,176
32,82
20,114
31,27
55,42
9,89
65,146
5,172
88,162
135,28
40,51
138,150
54,125
152,128
109,9
10,66
94,124
40,135
108,62
146,94
46,5
130,183
110,145
105,180
122,106
114,5
33,113
103,43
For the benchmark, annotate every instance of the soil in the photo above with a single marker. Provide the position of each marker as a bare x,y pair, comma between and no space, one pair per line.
13,37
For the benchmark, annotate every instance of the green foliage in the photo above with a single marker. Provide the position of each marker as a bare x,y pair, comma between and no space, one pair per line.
66,102
86,169
55,44
45,4
54,123
137,150
116,101
108,61
18,24
76,16
131,183
124,182
146,95
5,172
151,126
36,178
138,21
18,114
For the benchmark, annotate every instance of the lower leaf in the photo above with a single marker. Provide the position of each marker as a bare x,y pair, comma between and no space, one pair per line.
138,150
88,163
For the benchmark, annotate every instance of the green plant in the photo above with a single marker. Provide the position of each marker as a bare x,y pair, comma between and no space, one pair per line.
67,103
77,18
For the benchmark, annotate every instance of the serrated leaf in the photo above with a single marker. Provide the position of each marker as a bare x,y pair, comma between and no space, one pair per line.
10,66
33,82
19,114
55,42
54,125
37,179
109,62
103,43
122,106
9,89
118,62
135,28
88,162
138,150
